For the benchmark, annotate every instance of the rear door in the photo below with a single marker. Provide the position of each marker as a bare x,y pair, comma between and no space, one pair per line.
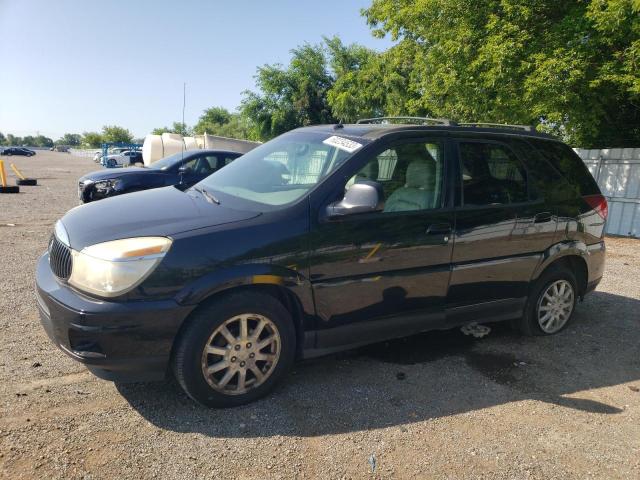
503,224
385,274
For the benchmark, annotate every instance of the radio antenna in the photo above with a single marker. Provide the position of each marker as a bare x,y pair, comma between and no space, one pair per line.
184,103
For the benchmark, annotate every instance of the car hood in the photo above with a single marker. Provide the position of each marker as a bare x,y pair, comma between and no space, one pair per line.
119,173
159,212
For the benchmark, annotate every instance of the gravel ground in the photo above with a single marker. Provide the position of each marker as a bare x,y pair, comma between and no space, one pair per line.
438,405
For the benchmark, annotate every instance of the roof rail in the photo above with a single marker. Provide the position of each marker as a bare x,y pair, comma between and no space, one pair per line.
417,120
526,128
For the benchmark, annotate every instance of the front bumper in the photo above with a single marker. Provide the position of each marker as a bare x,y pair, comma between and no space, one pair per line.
119,341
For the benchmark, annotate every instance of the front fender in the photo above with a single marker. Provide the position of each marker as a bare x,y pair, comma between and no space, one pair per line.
245,275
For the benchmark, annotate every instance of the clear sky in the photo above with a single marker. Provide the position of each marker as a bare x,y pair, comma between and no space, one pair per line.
76,65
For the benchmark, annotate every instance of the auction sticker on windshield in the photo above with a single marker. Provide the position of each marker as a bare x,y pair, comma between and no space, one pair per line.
342,143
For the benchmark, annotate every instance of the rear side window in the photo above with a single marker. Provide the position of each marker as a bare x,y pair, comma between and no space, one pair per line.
491,175
568,164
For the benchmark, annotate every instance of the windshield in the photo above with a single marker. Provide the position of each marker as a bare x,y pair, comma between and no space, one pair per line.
167,162
282,170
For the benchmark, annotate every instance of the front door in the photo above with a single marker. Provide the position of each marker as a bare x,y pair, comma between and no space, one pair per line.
385,274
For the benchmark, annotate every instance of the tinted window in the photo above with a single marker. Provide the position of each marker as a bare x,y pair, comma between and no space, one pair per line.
491,175
569,164
410,175
201,165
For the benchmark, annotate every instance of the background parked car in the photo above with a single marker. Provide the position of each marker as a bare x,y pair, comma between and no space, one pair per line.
181,169
18,151
122,159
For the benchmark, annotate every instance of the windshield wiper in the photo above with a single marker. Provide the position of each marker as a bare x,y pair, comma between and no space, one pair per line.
208,195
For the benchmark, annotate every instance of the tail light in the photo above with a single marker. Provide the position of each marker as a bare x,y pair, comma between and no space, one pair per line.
599,204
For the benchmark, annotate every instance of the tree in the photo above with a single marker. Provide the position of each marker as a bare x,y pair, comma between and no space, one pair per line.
70,139
290,97
3,139
572,67
13,140
219,121
177,127
116,134
42,141
92,139
28,140
368,84
212,116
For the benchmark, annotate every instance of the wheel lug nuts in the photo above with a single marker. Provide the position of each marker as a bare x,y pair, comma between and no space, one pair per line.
251,355
242,364
249,345
233,359
237,347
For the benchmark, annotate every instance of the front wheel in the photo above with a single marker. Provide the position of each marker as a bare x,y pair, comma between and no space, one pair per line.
234,350
551,303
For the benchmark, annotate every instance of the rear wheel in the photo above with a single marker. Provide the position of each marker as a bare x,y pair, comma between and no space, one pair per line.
234,350
551,303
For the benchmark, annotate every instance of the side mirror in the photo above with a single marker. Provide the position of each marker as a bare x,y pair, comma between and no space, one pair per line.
363,197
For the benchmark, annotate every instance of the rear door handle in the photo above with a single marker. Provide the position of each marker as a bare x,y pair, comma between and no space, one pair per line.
542,217
439,229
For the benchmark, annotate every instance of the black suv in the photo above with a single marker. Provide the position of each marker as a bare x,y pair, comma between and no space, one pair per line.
322,239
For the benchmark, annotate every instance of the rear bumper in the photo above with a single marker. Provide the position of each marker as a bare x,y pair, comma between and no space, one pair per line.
119,341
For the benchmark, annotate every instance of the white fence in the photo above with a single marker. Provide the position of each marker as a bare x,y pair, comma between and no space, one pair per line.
84,153
617,171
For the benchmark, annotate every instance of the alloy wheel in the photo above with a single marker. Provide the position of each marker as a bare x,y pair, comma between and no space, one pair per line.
241,354
555,306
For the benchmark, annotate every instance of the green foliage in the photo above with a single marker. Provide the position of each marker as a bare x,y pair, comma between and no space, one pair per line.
92,139
292,96
573,67
3,139
177,127
116,134
12,140
70,139
212,117
42,141
219,121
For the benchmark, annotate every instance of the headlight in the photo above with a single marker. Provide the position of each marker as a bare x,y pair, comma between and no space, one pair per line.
112,268
105,187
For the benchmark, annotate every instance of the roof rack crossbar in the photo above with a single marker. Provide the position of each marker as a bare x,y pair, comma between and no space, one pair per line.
422,120
527,128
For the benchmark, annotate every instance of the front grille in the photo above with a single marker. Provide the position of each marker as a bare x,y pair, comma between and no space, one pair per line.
59,258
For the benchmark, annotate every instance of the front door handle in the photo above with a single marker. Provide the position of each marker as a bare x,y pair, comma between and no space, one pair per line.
439,229
542,217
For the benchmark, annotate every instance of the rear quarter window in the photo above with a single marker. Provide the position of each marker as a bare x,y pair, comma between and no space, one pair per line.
568,164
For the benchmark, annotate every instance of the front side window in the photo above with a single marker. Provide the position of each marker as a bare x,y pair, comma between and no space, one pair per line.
491,175
410,175
282,170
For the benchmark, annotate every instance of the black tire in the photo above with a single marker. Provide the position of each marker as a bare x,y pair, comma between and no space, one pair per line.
8,154
194,337
529,323
111,163
26,181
